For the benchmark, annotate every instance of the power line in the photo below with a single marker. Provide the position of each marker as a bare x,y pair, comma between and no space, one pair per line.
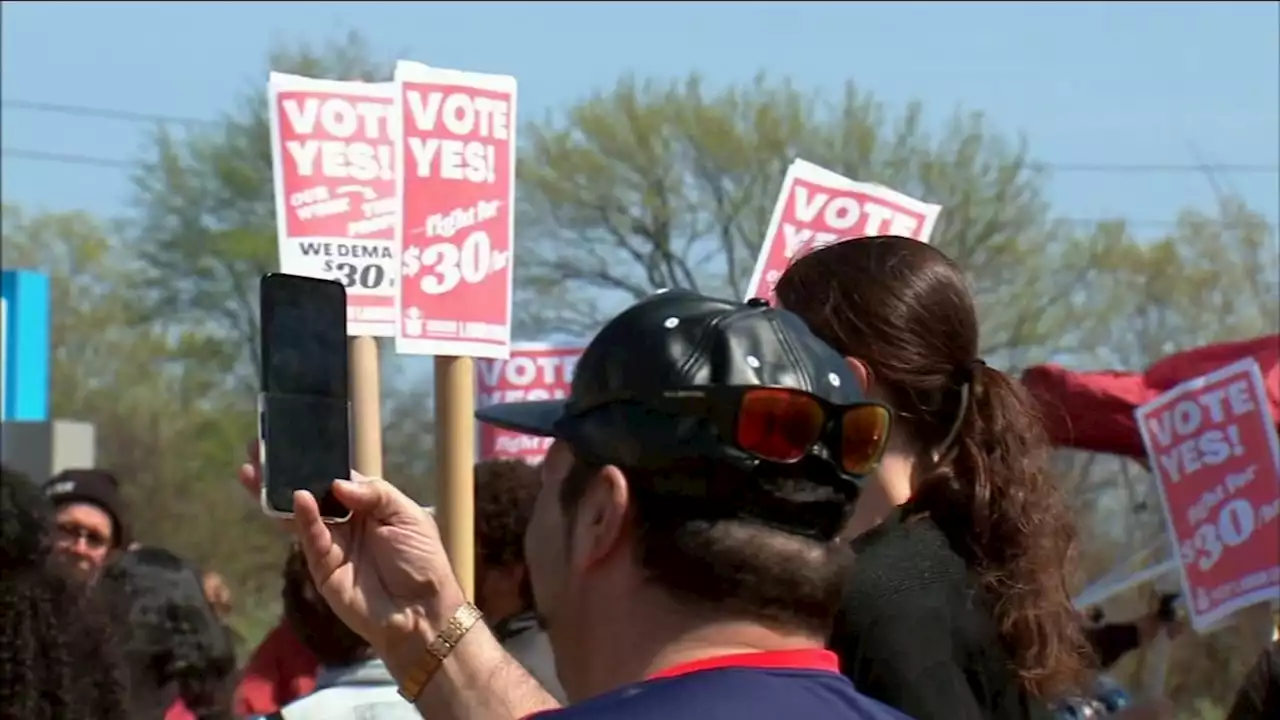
101,113
1158,168
90,161
66,158
1108,168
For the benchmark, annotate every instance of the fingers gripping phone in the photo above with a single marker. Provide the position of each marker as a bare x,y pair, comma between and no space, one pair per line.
304,409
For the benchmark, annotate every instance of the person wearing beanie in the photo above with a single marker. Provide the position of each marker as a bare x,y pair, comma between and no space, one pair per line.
90,518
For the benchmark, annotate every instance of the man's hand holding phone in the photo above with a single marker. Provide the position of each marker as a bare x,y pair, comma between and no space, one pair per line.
375,555
382,572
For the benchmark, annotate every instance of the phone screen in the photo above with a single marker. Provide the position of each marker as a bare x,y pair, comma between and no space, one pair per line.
304,407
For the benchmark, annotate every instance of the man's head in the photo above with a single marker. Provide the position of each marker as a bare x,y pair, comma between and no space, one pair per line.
705,461
90,518
169,633
505,493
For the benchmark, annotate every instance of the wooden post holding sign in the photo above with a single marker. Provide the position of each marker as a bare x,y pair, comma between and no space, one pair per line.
455,460
456,159
366,406
1159,652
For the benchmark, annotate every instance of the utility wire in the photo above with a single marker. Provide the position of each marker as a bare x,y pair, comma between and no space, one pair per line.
100,113
67,158
86,160
85,111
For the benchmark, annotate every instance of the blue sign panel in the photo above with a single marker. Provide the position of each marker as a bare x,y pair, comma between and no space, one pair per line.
24,345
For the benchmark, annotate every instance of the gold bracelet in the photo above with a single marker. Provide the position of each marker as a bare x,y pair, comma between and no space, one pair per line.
464,618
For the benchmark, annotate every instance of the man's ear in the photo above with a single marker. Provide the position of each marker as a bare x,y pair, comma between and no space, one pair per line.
602,517
860,371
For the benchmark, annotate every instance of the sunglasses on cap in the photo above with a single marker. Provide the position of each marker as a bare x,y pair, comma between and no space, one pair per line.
781,425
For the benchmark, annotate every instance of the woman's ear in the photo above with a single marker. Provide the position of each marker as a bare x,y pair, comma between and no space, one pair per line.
861,371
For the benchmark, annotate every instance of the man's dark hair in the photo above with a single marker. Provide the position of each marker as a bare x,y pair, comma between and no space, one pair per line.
328,638
57,652
505,493
726,565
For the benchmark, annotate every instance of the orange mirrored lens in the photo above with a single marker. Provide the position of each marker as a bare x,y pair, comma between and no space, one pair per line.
863,435
778,425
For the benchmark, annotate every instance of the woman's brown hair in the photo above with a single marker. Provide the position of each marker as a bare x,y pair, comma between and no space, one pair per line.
903,308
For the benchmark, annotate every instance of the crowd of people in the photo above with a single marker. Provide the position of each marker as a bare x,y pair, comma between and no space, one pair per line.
146,634
826,508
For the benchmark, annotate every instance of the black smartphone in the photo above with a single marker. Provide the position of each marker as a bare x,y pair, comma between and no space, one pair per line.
303,410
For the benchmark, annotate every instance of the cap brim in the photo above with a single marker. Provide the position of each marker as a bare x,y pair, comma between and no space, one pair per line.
531,418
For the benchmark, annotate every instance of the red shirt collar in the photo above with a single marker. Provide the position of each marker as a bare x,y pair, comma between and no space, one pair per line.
805,659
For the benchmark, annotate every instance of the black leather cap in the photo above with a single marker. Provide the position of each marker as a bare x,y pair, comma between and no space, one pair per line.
671,341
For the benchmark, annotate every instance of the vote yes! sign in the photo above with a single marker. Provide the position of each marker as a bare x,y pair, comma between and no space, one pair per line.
1212,444
535,371
334,163
457,148
817,207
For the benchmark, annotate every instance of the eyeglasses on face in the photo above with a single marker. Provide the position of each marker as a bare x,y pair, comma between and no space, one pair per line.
71,534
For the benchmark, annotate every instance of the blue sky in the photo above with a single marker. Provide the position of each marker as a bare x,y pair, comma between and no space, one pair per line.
1091,83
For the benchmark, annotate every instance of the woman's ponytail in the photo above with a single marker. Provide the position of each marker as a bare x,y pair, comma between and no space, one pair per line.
991,493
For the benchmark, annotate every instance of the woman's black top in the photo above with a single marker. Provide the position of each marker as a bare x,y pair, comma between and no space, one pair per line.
916,632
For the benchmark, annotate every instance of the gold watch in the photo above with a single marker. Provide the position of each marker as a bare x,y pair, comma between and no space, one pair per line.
463,619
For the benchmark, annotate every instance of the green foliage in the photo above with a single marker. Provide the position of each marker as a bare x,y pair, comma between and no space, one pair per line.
165,422
205,225
671,185
1211,278
205,231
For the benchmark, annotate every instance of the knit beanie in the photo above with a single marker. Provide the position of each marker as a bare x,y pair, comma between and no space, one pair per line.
95,487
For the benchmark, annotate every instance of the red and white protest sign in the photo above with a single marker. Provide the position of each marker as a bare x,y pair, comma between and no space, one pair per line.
333,157
1213,447
817,207
458,151
541,371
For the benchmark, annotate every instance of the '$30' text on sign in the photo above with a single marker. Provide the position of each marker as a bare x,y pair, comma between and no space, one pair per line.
449,264
369,276
1233,524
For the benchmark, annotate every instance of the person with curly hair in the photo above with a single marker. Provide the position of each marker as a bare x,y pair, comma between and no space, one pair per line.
505,494
57,650
957,607
178,657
